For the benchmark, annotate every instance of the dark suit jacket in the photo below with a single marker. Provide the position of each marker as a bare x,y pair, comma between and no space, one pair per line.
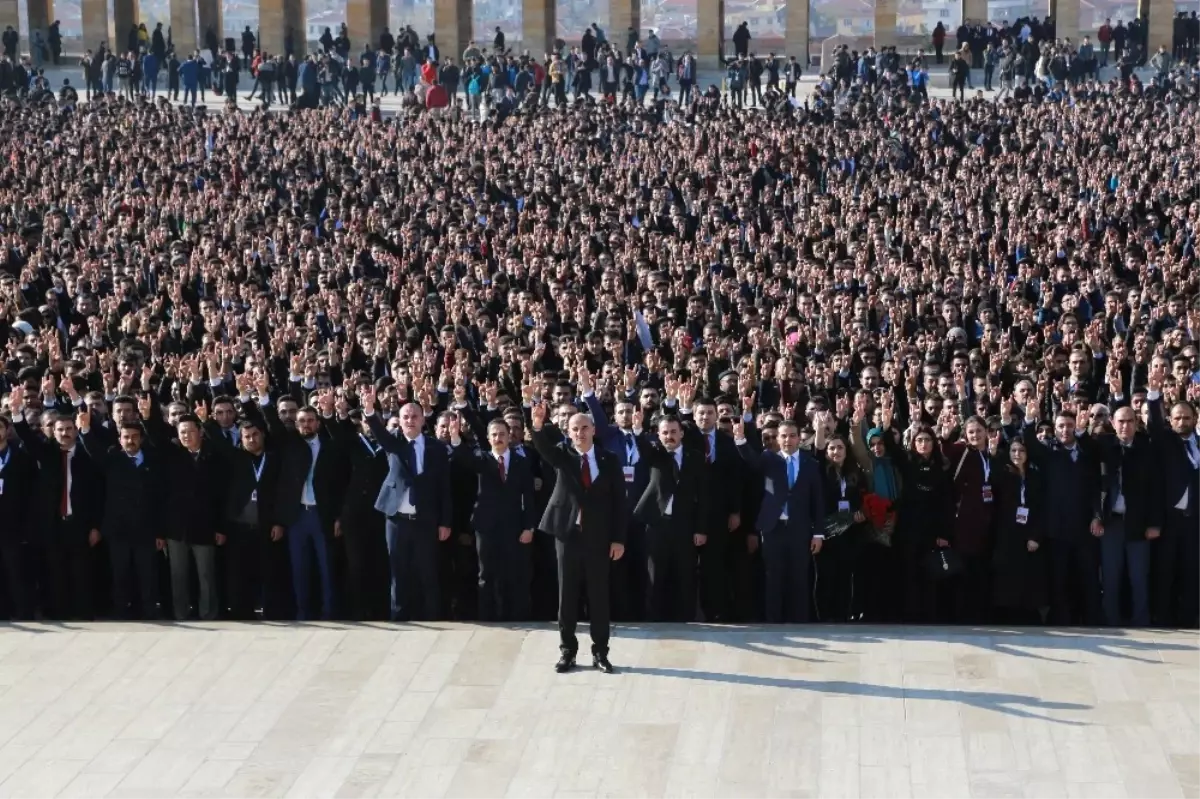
728,469
366,471
1177,471
1072,485
1135,471
242,483
605,517
16,499
87,484
134,496
500,505
613,439
805,500
196,494
690,486
430,489
296,458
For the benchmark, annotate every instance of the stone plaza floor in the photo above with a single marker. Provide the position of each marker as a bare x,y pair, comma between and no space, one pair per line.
460,710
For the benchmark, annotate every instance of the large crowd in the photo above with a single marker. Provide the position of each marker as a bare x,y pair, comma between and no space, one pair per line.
866,356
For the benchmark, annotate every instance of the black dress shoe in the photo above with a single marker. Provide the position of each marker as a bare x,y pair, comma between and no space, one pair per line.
565,663
601,662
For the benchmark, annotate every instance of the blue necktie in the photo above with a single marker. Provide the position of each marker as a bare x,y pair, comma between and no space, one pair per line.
791,461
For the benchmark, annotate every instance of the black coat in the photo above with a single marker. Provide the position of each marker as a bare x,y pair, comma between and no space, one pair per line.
19,475
690,487
296,457
243,483
501,506
1135,473
196,495
134,495
603,507
1019,576
366,468
87,485
1178,473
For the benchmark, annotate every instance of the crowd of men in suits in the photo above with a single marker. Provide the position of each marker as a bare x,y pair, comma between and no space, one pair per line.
930,362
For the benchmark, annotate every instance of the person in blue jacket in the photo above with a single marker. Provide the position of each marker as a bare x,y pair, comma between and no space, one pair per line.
189,78
150,66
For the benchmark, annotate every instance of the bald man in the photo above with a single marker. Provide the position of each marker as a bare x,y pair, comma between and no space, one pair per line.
587,517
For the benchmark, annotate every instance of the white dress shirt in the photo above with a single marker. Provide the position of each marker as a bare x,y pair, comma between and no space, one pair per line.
308,496
593,467
418,448
678,455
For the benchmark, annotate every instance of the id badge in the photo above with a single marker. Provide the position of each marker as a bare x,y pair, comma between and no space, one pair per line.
1022,515
254,495
628,470
769,486
987,494
844,506
1,486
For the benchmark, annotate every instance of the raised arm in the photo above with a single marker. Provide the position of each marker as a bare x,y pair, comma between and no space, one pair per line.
396,445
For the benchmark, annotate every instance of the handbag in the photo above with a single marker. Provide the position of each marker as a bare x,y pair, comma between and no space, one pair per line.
838,523
942,563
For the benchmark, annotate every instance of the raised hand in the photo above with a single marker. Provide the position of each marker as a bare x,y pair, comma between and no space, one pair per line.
538,415
83,420
366,396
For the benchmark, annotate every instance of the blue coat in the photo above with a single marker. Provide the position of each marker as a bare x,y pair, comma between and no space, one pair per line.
189,74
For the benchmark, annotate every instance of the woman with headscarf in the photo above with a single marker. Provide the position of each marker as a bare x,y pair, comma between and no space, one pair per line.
877,562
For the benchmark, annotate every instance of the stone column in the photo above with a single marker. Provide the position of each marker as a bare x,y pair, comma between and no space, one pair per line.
185,36
796,32
623,15
452,26
276,18
539,26
1066,20
41,14
10,17
125,16
885,23
974,11
97,27
208,17
1161,32
365,20
710,33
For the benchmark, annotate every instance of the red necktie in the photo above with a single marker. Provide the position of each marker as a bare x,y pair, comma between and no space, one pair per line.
586,474
503,476
65,503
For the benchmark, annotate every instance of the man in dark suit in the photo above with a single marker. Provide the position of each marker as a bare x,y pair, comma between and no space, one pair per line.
361,527
587,517
68,505
728,472
415,498
307,501
1177,559
790,521
1132,515
256,564
503,521
1074,520
135,489
625,440
18,476
197,483
675,510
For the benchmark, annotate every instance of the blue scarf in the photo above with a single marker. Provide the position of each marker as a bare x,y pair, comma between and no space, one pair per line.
884,478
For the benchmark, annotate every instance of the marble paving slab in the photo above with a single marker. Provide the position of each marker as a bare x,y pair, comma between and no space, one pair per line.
336,710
